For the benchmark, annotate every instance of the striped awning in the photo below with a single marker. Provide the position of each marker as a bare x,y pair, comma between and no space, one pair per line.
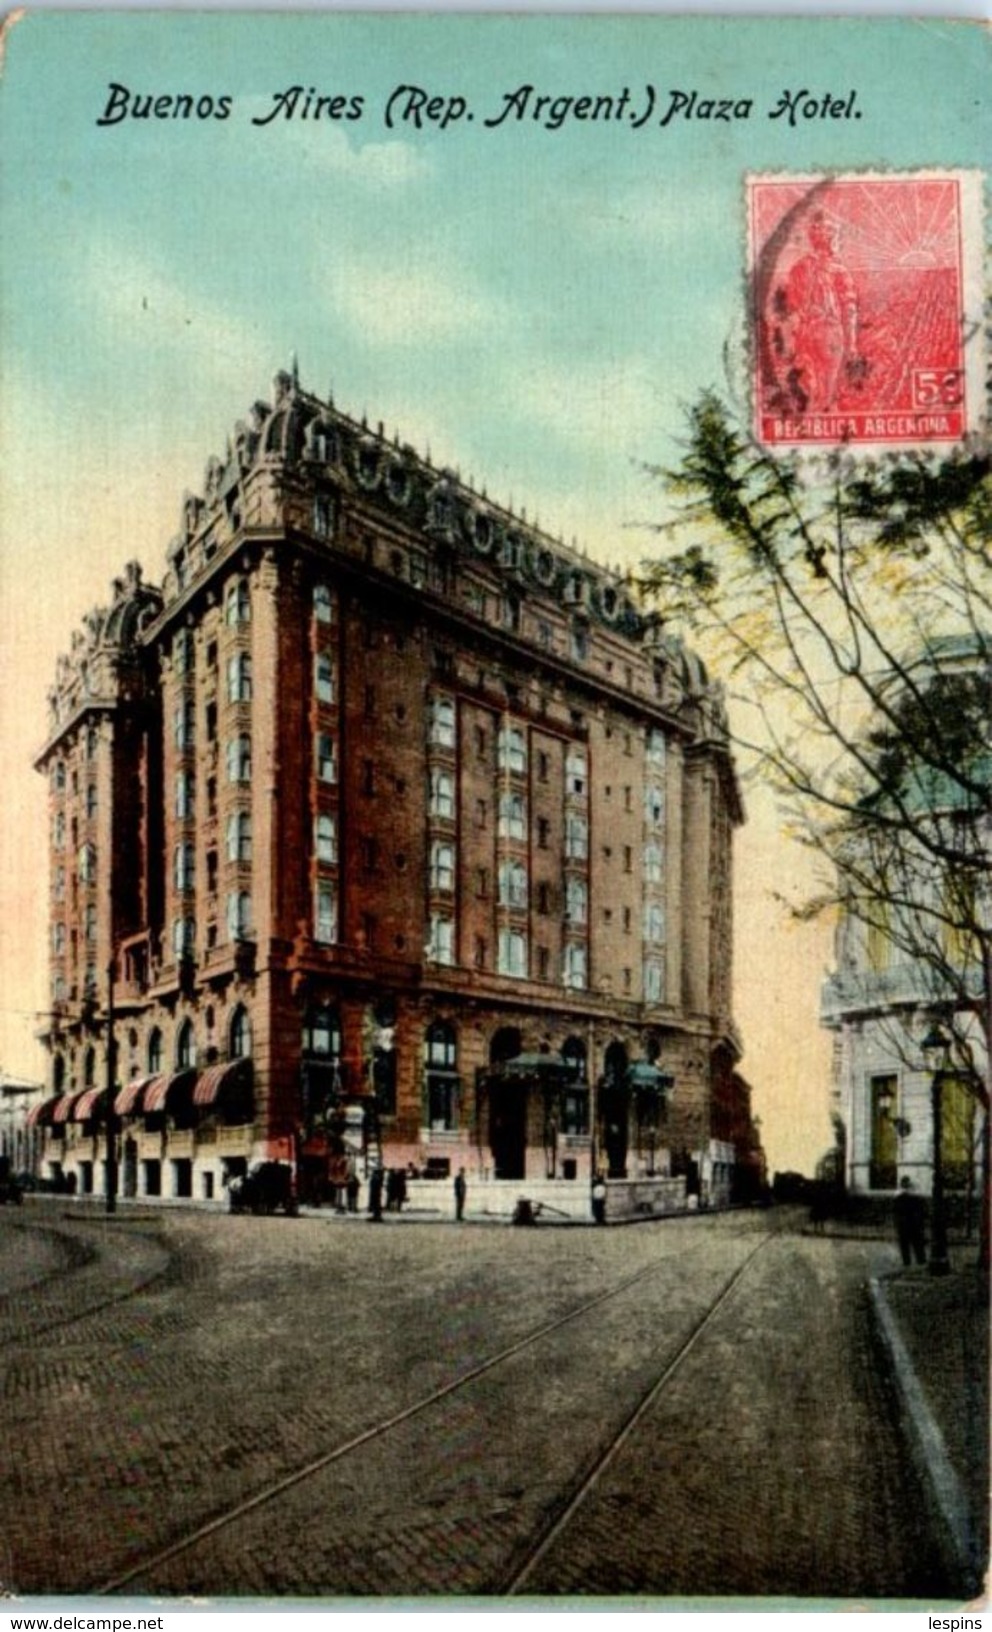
64,1109
40,1115
87,1104
216,1077
159,1088
127,1101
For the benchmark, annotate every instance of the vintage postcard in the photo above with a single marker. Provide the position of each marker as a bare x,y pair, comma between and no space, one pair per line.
495,635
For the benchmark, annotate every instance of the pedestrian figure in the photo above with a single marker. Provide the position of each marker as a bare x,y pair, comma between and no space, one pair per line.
391,1189
375,1195
460,1191
910,1212
599,1199
353,1188
400,1188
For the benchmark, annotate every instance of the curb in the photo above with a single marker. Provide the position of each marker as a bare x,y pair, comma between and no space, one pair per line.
927,1448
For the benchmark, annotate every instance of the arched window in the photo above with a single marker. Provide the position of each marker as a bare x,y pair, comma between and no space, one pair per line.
183,937
576,901
240,1037
442,794
155,1052
615,1063
238,915
573,1052
87,864
511,750
237,602
323,603
512,816
576,770
440,1077
512,884
575,1099
574,966
239,836
239,678
185,1047
442,867
239,759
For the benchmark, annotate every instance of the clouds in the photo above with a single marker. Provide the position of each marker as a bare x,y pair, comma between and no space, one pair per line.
406,300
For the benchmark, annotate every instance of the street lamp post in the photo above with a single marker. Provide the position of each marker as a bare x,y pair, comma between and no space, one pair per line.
935,1046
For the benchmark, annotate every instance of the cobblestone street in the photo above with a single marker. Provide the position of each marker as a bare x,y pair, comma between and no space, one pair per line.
167,1367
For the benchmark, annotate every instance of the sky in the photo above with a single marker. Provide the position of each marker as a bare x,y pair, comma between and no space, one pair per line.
532,299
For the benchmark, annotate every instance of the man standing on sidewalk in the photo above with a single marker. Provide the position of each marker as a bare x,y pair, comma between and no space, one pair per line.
910,1214
460,1191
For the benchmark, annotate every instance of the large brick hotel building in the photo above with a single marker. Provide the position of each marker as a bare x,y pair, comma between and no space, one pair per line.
389,824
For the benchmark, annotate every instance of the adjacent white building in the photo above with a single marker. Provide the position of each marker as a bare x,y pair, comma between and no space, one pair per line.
910,964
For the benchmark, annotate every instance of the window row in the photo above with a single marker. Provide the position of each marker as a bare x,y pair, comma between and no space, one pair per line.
238,918
58,774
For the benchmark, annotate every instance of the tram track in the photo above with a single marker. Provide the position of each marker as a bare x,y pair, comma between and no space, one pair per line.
18,1329
225,1524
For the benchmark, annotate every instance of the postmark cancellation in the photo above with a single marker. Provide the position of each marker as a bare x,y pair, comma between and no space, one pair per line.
866,320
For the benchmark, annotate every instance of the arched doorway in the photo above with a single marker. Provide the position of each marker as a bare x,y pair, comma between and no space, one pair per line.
615,1109
507,1108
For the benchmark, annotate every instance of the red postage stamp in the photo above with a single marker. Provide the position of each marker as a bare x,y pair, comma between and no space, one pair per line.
862,308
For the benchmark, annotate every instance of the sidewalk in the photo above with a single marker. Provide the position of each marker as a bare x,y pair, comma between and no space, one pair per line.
936,1333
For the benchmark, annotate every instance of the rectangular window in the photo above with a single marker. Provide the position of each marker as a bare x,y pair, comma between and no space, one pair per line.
652,982
512,954
575,967
239,678
327,770
325,913
442,794
511,754
576,770
184,794
323,603
512,816
884,1139
442,872
442,723
324,678
441,946
577,838
442,1101
325,838
323,515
